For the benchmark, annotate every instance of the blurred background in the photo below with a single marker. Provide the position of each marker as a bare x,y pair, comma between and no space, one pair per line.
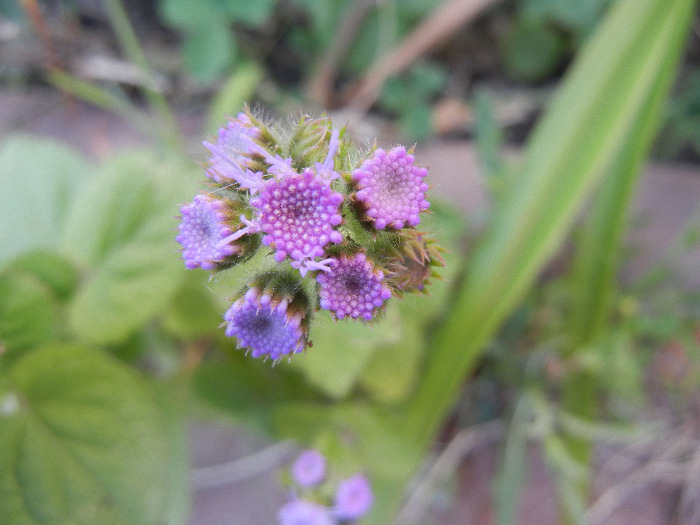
465,79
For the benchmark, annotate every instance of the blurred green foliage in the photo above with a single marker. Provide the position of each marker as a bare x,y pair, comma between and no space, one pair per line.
104,335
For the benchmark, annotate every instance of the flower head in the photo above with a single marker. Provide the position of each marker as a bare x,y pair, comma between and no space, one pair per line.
298,214
309,468
353,287
204,225
228,161
353,498
264,323
302,512
413,263
390,189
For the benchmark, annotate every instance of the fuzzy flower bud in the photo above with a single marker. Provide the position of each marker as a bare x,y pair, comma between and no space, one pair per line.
413,263
353,498
309,468
302,512
271,318
298,215
352,288
229,154
390,189
205,224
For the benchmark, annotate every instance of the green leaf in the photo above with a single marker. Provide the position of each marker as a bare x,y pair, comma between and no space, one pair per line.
38,178
195,310
122,231
52,269
85,441
252,12
531,51
587,125
209,50
511,475
579,16
342,350
189,13
392,370
28,313
241,386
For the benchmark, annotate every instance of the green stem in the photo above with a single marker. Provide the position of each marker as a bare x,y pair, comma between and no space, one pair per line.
131,47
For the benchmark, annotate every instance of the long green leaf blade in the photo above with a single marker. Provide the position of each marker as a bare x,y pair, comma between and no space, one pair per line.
587,125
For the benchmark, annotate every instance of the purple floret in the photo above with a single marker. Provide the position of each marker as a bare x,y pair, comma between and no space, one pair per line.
353,287
228,155
353,498
309,469
202,228
297,215
265,327
302,512
391,189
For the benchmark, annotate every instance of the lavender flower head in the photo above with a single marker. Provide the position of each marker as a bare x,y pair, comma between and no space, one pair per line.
390,189
309,469
228,154
302,512
202,229
265,326
298,214
353,499
353,287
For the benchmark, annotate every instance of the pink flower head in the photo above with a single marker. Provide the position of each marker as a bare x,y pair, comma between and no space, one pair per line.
353,287
390,188
353,498
265,326
309,469
297,214
203,227
302,512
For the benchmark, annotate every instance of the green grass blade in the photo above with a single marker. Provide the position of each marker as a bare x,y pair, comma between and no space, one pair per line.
597,257
587,125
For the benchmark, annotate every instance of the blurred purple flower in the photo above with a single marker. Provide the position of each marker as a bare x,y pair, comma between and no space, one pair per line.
353,498
302,512
353,287
309,469
265,326
390,189
202,229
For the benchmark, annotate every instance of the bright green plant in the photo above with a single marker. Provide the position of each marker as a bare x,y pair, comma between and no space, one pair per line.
93,287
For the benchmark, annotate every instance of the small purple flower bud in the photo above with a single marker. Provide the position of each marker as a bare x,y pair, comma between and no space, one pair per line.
265,325
298,214
309,468
202,229
390,189
302,512
353,498
353,287
228,155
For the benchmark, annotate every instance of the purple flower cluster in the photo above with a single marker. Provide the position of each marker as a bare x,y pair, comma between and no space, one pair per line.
329,216
351,501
